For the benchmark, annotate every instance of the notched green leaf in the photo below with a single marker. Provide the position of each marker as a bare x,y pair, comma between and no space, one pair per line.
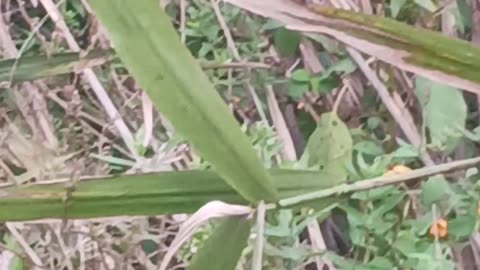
329,148
445,112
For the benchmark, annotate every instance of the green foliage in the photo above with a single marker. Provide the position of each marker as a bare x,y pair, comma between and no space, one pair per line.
462,227
435,190
463,16
302,82
286,41
329,148
231,235
384,228
445,113
301,75
186,96
426,4
281,233
395,6
144,194
368,148
265,143
191,247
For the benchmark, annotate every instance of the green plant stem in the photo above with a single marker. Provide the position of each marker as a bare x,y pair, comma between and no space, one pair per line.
258,251
379,182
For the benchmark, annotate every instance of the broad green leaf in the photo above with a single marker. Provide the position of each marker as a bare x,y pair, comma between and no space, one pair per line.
143,194
405,151
406,242
329,148
223,248
324,83
434,190
323,86
374,122
162,66
462,227
430,54
301,75
357,225
286,41
380,263
345,66
396,6
386,205
445,112
297,90
426,4
34,67
422,224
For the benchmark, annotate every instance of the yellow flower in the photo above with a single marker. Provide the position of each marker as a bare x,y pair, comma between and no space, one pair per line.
397,169
439,228
401,169
389,173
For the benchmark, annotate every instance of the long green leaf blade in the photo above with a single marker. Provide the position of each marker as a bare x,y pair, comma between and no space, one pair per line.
226,252
143,194
147,43
35,67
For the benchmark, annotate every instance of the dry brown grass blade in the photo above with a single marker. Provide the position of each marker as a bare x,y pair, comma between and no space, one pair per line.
28,97
213,209
365,38
92,79
288,149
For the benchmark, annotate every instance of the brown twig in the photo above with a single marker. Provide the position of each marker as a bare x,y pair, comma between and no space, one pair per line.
92,79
